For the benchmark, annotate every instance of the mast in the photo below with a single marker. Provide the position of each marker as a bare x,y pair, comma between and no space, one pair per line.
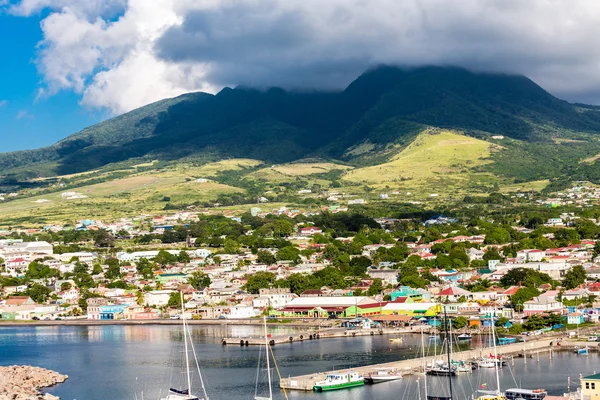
448,352
185,344
495,352
424,365
267,355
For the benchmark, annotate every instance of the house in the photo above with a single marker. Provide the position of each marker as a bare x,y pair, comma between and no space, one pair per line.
93,307
575,318
387,276
590,387
310,231
475,254
137,312
16,267
542,304
18,301
533,255
575,294
157,297
312,293
275,298
453,294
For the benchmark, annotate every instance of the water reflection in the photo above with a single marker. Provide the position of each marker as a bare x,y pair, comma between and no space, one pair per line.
118,362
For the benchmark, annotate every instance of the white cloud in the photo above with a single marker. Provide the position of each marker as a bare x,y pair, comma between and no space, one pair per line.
3,103
24,114
121,54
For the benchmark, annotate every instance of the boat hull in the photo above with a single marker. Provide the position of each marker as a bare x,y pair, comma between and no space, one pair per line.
338,386
379,379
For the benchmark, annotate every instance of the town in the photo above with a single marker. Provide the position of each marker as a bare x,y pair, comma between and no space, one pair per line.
290,265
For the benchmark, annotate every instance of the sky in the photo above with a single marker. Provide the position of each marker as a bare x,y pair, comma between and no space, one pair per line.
67,64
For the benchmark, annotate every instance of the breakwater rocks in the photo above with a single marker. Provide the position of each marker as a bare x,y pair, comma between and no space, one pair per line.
21,382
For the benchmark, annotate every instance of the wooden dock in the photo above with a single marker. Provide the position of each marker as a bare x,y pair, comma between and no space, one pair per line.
314,334
307,382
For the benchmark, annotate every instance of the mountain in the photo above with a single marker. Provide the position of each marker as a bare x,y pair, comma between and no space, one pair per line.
379,113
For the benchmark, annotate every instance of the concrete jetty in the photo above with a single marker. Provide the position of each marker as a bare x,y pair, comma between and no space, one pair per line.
307,382
314,334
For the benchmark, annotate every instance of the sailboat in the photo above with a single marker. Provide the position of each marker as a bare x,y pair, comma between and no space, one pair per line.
268,367
450,370
493,394
186,393
440,368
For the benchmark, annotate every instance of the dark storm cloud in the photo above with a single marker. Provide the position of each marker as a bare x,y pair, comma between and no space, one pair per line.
326,44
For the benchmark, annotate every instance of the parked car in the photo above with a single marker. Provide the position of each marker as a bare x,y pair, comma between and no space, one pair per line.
332,316
175,316
36,318
592,339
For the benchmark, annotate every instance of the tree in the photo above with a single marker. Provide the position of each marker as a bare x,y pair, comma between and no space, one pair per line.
574,277
376,287
497,236
289,253
144,268
357,292
165,258
230,246
97,269
199,280
183,257
265,257
38,293
65,286
522,295
117,285
492,254
260,280
113,271
174,300
565,237
80,268
501,321
103,238
459,322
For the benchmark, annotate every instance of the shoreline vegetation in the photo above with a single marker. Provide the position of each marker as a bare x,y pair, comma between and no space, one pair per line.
24,382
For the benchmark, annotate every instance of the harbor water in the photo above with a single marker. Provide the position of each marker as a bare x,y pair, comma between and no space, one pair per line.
135,362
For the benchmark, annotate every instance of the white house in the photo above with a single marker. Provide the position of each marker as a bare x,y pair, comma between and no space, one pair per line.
157,297
542,304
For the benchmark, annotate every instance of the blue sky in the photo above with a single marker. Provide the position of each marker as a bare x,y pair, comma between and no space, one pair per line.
27,123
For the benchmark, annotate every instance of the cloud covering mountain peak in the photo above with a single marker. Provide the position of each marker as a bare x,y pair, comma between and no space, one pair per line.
121,54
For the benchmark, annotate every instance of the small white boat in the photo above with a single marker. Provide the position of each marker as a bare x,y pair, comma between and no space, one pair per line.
464,336
486,363
383,375
396,340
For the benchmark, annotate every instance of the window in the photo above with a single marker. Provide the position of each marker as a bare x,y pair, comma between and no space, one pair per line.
593,385
587,385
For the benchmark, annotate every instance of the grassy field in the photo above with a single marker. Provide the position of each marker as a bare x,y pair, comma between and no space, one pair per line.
536,186
144,192
235,164
435,163
303,169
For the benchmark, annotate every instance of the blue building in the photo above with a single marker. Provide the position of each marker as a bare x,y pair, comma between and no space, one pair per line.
111,311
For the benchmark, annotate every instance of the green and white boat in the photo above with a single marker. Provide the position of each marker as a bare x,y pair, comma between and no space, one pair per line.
340,381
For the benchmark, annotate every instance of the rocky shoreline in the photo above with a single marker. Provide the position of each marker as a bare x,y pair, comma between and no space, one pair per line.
22,382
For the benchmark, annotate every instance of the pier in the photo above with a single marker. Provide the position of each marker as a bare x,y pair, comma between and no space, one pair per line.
314,334
406,367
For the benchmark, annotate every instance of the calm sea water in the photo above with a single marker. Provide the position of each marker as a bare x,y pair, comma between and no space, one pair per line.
122,362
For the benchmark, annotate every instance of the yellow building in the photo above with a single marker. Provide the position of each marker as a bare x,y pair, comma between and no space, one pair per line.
590,387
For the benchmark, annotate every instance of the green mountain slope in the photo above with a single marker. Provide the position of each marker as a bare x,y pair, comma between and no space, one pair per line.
377,115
